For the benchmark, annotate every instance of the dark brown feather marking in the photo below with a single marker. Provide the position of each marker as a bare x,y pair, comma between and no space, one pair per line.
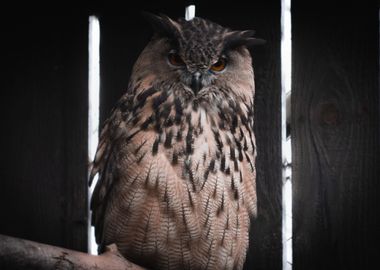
222,204
135,120
168,139
223,236
211,167
223,163
236,165
205,176
134,180
234,123
244,120
237,225
139,147
141,98
207,219
207,203
245,147
148,175
250,162
166,197
157,180
157,101
236,194
169,121
147,122
218,141
232,183
232,153
132,135
195,105
189,141
184,218
178,111
165,112
175,158
189,172
208,231
155,146
179,135
141,157
123,106
209,252
197,166
215,188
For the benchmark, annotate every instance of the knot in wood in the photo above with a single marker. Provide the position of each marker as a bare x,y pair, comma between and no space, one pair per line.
329,114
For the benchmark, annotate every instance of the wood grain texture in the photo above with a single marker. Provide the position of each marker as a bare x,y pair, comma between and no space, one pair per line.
123,38
335,135
43,194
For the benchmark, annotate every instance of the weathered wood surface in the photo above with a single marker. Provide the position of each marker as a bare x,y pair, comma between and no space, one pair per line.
335,135
43,107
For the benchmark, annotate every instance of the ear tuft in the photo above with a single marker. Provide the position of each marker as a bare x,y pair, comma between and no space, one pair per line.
235,39
162,24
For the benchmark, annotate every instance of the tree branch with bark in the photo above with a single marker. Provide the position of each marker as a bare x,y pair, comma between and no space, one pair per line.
16,253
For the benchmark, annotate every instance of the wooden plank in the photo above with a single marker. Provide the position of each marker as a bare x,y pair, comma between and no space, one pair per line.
123,38
335,135
75,110
43,194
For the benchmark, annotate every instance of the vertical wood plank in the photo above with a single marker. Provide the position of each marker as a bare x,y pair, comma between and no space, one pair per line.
335,135
43,194
75,110
125,35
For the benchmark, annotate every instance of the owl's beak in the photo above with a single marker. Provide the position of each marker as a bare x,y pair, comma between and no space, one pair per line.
196,82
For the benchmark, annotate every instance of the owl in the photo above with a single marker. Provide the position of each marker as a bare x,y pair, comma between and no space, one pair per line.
176,157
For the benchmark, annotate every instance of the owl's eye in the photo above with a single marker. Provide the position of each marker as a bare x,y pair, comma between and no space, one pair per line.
219,65
175,59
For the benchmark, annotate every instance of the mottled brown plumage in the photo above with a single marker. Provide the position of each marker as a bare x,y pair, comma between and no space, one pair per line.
176,158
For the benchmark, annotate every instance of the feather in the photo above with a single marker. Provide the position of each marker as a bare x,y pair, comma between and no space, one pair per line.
162,24
236,39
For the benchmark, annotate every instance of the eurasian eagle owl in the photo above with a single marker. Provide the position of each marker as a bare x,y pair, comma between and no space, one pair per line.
176,158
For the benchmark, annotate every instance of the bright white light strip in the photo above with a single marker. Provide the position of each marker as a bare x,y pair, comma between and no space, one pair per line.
286,70
93,107
190,13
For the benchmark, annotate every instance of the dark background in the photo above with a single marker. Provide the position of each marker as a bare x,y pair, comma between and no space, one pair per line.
335,121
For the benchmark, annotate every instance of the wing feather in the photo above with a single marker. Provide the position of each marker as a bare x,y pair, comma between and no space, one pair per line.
104,165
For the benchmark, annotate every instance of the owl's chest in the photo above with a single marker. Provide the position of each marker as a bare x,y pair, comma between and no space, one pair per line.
190,204
193,152
196,156
185,187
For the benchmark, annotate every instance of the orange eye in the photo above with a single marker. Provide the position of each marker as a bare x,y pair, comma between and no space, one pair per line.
175,59
220,65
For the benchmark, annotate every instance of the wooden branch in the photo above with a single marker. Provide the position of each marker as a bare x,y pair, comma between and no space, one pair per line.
17,253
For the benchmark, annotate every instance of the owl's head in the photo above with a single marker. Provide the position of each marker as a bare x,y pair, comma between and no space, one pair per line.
199,54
